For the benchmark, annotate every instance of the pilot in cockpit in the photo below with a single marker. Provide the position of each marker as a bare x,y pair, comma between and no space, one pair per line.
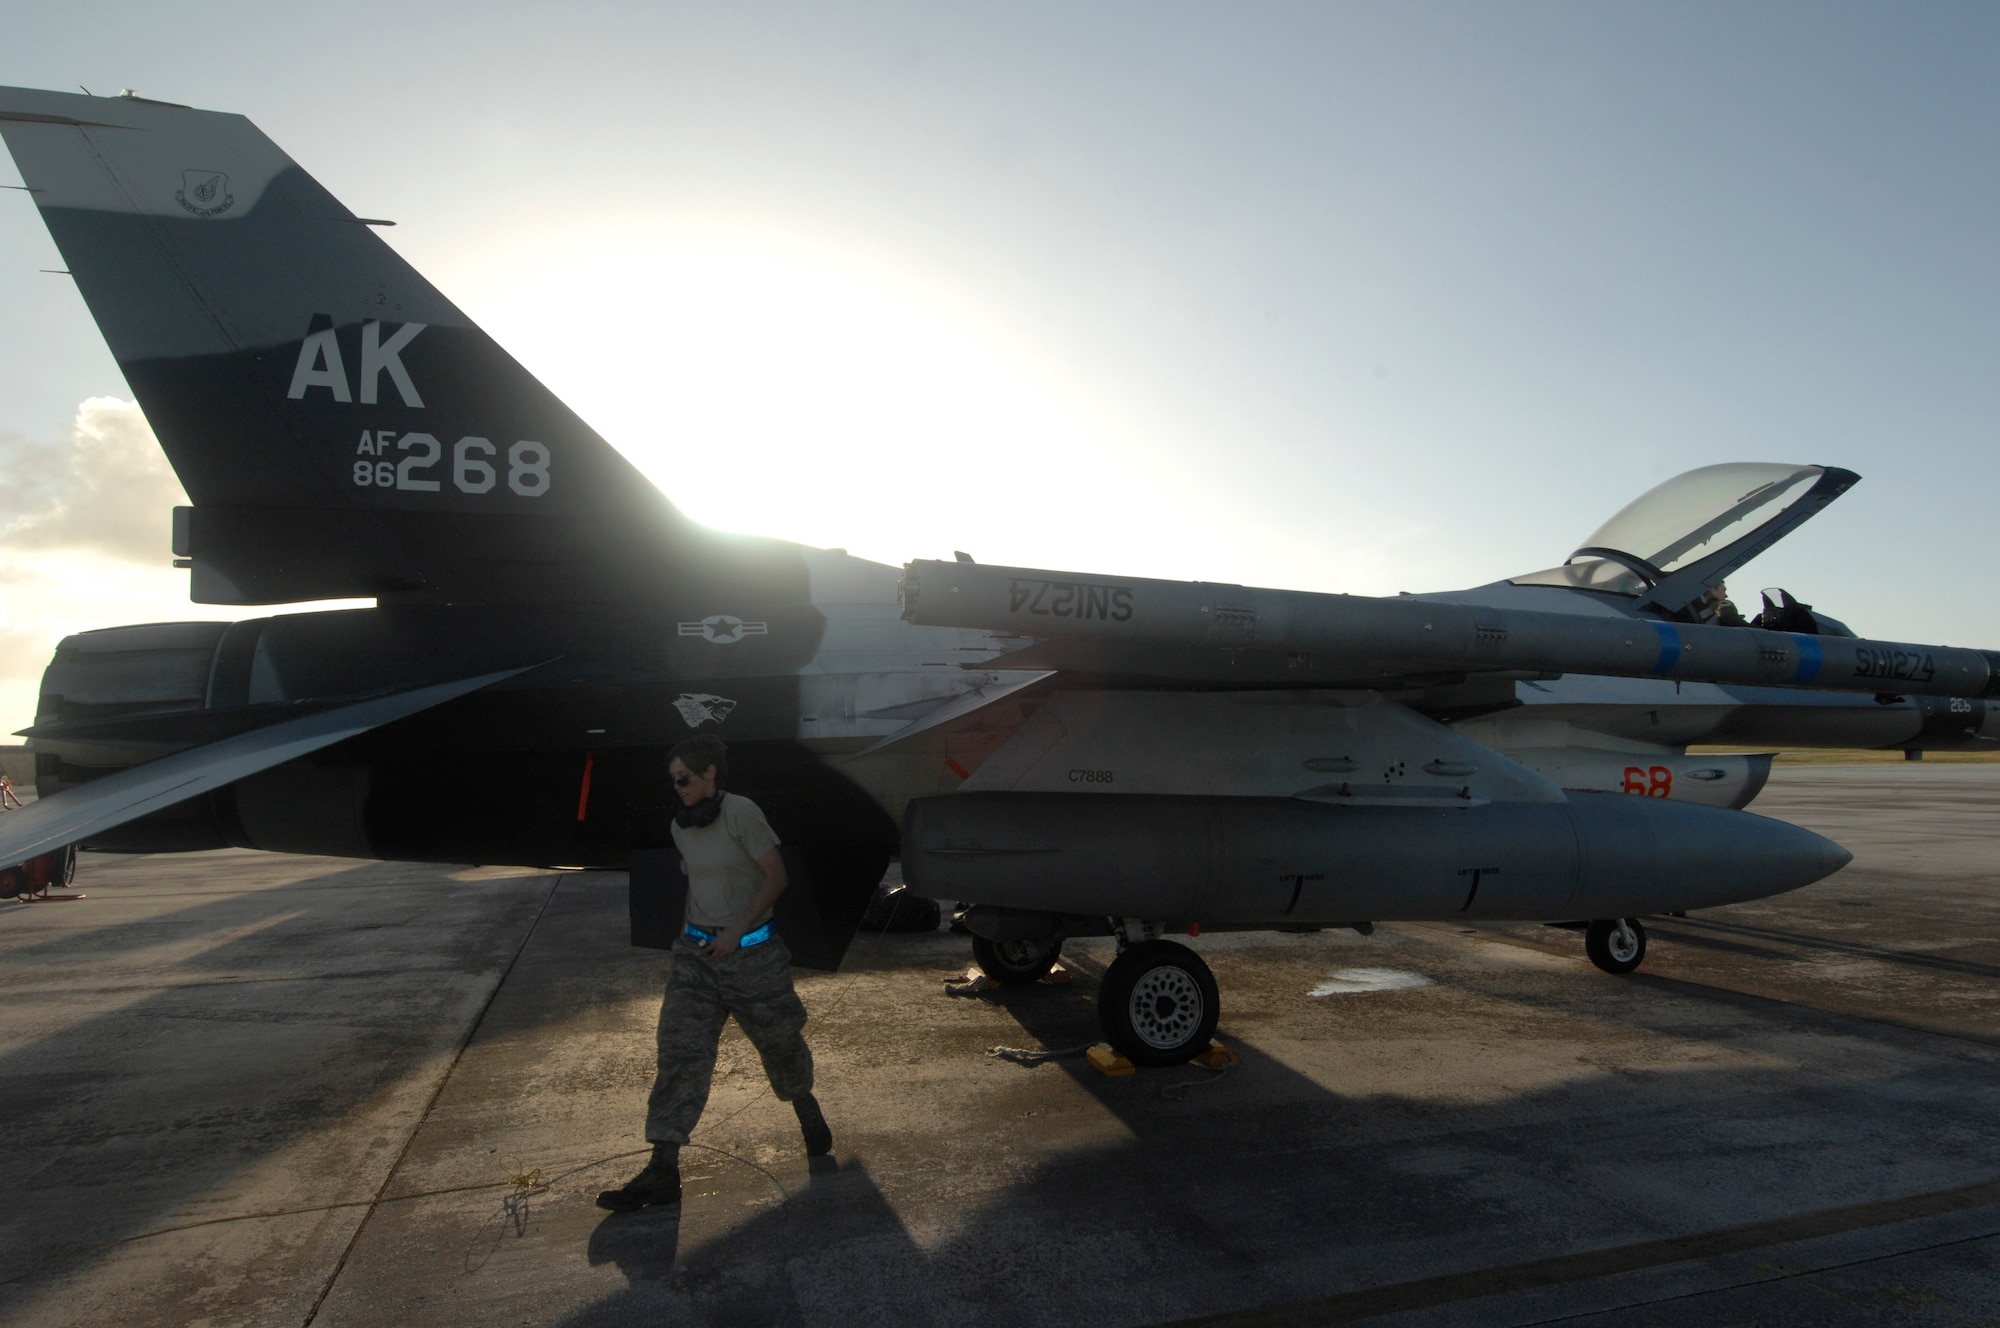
1716,609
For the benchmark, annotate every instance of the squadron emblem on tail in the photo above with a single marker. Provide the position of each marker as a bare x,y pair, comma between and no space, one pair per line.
697,708
200,191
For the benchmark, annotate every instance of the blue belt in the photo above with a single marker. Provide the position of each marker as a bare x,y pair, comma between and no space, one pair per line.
750,938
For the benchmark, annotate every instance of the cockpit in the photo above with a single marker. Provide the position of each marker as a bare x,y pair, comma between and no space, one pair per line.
1674,544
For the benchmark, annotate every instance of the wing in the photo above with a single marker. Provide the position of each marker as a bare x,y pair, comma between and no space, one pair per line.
76,814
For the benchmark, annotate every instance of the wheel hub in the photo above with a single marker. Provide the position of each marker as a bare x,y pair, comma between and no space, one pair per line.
1166,1007
1623,943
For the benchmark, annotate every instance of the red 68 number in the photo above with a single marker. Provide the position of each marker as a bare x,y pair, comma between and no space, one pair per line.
1649,781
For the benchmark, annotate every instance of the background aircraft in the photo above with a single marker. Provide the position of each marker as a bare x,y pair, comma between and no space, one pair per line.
1073,754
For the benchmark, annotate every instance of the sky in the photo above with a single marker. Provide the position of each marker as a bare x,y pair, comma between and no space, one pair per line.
1355,297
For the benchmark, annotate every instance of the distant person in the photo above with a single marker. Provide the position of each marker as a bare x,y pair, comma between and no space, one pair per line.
727,961
9,800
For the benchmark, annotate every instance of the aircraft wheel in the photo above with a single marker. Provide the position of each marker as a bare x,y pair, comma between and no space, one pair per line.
1615,945
1016,963
1158,1004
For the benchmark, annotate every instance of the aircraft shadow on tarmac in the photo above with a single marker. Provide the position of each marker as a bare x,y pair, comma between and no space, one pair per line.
1212,1207
1713,933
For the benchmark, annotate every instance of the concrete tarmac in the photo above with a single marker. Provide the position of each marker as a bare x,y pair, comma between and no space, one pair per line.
248,1089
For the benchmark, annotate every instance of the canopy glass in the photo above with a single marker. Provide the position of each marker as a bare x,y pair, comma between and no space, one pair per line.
1679,522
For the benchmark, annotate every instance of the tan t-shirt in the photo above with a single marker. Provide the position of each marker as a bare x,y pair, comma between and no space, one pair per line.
721,862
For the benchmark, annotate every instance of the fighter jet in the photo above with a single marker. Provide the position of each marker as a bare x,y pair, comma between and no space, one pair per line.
1069,753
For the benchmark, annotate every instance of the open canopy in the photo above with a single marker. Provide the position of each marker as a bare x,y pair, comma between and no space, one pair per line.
1675,540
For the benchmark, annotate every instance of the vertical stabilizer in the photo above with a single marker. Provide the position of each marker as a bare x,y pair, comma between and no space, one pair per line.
342,428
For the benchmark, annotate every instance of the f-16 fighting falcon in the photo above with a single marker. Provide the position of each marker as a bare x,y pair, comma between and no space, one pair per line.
1067,753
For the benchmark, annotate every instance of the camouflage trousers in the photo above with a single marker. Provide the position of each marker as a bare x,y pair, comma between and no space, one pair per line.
755,985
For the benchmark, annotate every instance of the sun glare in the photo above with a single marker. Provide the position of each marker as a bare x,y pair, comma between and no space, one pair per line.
785,393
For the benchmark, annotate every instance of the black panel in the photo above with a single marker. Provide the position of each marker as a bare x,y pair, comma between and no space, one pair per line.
830,887
656,897
188,827
520,806
229,675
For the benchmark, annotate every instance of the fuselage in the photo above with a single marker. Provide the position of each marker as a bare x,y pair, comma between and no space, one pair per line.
802,673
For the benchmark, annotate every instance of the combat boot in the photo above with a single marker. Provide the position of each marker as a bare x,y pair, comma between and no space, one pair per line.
812,1124
656,1186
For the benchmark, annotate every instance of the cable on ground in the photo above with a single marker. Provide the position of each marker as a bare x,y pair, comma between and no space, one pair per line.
1173,1092
1037,1055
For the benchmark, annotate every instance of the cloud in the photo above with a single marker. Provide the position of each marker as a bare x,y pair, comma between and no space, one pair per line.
106,489
24,653
84,542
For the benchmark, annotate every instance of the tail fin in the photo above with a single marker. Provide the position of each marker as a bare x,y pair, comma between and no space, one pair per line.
342,428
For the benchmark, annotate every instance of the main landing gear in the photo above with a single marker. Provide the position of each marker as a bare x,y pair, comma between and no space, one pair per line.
1016,963
1158,1003
1616,945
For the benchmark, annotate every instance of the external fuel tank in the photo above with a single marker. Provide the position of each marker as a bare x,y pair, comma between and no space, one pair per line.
1244,861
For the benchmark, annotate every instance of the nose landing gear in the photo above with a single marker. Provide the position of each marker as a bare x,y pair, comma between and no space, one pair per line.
1016,963
1616,945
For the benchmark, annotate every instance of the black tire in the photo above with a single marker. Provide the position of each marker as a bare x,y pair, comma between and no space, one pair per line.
1158,1004
1016,963
899,910
1616,945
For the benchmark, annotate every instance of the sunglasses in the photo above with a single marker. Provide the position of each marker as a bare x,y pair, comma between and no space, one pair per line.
682,781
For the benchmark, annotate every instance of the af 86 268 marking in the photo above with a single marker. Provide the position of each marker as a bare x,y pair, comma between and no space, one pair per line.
471,469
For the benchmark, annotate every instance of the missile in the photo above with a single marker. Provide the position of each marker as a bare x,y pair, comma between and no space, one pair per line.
1363,637
1262,862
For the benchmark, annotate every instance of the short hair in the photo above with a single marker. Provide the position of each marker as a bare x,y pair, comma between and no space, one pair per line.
699,753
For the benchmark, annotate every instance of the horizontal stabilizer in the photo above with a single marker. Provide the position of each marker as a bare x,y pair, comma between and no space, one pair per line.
76,814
